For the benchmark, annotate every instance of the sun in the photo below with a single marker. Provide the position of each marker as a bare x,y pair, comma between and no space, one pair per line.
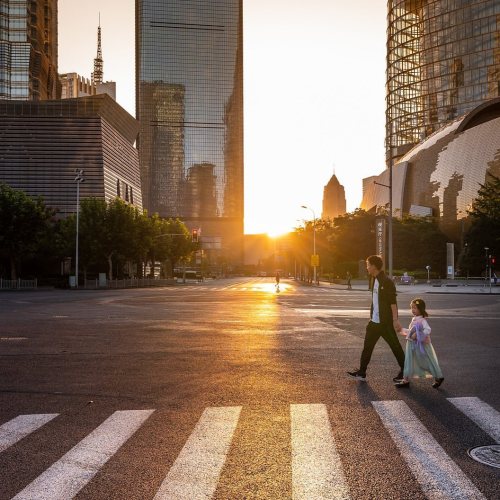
277,232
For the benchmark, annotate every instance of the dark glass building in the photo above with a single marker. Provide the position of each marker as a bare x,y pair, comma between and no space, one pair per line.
28,50
189,85
443,60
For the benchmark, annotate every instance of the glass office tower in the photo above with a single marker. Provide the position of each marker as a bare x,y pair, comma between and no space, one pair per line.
189,86
443,60
28,50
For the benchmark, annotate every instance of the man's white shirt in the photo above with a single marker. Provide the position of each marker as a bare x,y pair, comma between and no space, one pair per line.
376,312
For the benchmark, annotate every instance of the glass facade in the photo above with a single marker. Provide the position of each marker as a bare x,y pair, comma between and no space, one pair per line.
443,60
189,85
28,50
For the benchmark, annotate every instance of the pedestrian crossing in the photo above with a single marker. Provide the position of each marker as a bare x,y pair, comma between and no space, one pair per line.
317,470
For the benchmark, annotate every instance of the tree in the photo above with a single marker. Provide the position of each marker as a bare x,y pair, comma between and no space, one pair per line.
352,239
23,224
418,242
484,231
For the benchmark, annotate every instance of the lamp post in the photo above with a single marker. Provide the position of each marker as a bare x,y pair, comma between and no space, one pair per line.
314,238
428,273
79,177
486,263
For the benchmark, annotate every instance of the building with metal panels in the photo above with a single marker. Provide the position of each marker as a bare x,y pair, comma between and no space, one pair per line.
443,60
189,85
441,176
42,143
28,50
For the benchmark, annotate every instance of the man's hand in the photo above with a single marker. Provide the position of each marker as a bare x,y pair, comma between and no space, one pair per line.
397,325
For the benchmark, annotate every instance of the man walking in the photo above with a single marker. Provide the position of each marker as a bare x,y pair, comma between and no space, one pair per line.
384,319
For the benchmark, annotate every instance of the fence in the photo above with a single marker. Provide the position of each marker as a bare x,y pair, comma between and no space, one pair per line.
127,283
18,284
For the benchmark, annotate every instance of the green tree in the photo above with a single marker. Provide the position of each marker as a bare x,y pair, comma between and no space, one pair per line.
418,242
24,222
352,239
484,231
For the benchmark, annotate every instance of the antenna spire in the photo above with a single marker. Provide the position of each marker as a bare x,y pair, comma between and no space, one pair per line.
97,74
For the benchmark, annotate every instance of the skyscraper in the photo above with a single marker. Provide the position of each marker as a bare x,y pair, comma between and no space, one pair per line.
443,60
28,50
334,203
189,85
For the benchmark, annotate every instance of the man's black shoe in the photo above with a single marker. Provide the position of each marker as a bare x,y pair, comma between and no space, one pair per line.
437,382
398,377
402,383
357,375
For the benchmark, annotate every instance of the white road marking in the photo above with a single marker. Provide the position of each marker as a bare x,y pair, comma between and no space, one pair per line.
66,477
486,417
437,474
316,468
195,473
16,429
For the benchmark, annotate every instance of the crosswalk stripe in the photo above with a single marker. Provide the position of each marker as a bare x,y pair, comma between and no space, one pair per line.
486,417
66,477
16,429
438,476
195,473
316,467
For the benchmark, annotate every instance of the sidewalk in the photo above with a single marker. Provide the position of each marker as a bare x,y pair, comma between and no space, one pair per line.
421,288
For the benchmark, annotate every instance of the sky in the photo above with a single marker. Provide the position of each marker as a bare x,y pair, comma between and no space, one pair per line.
314,89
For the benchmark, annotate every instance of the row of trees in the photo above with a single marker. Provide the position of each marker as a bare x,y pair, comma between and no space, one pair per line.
417,241
342,242
111,234
33,239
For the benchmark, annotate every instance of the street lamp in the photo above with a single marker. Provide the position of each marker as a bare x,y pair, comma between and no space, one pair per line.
428,273
314,238
79,177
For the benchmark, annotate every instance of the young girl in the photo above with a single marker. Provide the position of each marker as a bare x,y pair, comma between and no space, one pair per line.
420,357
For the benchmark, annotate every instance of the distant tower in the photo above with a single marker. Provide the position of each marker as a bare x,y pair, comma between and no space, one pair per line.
97,73
333,199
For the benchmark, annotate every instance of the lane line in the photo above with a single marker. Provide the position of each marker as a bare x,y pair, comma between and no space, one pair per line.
16,429
66,477
195,473
316,467
481,413
437,474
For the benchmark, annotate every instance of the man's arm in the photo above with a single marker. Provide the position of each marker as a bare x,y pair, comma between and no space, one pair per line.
395,318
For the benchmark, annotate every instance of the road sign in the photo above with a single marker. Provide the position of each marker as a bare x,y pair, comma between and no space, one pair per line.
315,260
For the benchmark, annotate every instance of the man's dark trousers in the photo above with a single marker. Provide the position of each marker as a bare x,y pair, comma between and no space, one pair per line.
373,332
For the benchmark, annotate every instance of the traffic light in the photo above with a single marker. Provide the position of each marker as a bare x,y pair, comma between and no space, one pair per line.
492,260
194,236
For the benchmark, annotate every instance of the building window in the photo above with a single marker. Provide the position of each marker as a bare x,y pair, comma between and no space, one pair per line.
118,190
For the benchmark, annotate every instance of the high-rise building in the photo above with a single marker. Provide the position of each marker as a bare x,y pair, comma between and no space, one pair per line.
443,60
334,203
74,85
28,50
189,84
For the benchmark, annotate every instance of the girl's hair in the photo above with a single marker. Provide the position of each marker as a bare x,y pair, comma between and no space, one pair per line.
420,305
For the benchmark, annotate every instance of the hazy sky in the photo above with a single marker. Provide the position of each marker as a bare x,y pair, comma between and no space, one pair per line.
314,94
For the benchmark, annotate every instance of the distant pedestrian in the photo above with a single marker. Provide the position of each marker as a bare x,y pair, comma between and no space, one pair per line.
348,278
420,359
384,320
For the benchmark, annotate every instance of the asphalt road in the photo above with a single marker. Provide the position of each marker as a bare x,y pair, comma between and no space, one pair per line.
230,390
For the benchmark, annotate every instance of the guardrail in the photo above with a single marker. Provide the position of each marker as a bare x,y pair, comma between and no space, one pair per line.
18,284
127,283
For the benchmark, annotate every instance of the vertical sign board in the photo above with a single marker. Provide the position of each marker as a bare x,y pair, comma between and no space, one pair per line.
380,237
450,261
